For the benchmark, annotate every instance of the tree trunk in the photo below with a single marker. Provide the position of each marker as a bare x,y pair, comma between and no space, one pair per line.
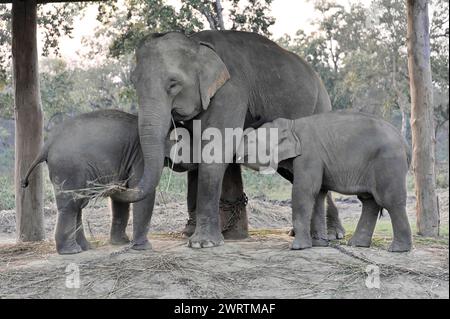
423,163
219,10
29,122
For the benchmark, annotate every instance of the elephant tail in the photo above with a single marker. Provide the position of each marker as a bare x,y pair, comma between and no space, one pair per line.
42,156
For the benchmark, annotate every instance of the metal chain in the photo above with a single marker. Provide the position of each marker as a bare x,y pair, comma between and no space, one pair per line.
235,208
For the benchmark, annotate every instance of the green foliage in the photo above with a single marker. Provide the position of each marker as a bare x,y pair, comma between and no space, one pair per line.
173,184
56,88
442,180
439,35
141,17
57,19
360,53
6,193
6,100
71,91
6,157
7,198
5,40
252,16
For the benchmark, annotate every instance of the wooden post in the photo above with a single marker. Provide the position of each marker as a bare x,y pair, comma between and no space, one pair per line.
29,122
422,126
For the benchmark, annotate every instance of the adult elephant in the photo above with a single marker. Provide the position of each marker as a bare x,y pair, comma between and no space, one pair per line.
226,79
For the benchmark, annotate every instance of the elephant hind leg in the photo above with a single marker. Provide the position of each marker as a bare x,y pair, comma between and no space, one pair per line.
233,201
393,197
402,231
366,224
120,216
334,226
80,236
69,217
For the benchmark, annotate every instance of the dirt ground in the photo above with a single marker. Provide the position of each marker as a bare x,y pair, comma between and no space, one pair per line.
261,266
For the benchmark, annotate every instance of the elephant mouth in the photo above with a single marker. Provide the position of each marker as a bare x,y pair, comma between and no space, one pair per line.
177,116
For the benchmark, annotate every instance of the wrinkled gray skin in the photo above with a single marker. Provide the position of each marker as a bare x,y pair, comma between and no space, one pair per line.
103,147
349,153
226,79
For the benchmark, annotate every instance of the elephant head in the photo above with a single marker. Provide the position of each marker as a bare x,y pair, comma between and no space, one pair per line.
175,79
269,145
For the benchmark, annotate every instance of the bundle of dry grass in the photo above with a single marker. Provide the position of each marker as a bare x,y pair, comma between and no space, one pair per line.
95,190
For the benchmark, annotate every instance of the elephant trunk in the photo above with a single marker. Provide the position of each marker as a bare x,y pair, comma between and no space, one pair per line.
154,125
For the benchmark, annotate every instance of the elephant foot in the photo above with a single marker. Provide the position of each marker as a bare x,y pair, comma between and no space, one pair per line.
119,240
400,247
69,249
291,232
335,231
356,241
189,229
84,244
199,240
298,244
235,234
144,245
319,239
319,242
238,230
234,220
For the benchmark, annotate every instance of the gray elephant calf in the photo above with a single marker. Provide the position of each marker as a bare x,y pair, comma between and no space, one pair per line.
95,148
345,152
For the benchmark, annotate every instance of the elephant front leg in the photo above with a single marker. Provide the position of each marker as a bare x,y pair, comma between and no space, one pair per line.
207,232
302,206
120,215
319,223
233,201
142,215
192,178
305,194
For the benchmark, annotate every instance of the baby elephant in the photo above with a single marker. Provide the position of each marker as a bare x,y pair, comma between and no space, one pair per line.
349,153
86,152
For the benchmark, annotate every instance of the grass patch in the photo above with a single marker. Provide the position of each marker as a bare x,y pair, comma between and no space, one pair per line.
272,187
7,200
266,232
439,242
382,236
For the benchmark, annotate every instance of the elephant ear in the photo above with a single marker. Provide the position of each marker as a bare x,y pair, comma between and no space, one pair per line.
289,143
213,73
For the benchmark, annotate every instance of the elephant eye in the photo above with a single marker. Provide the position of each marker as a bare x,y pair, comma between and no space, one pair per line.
174,87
